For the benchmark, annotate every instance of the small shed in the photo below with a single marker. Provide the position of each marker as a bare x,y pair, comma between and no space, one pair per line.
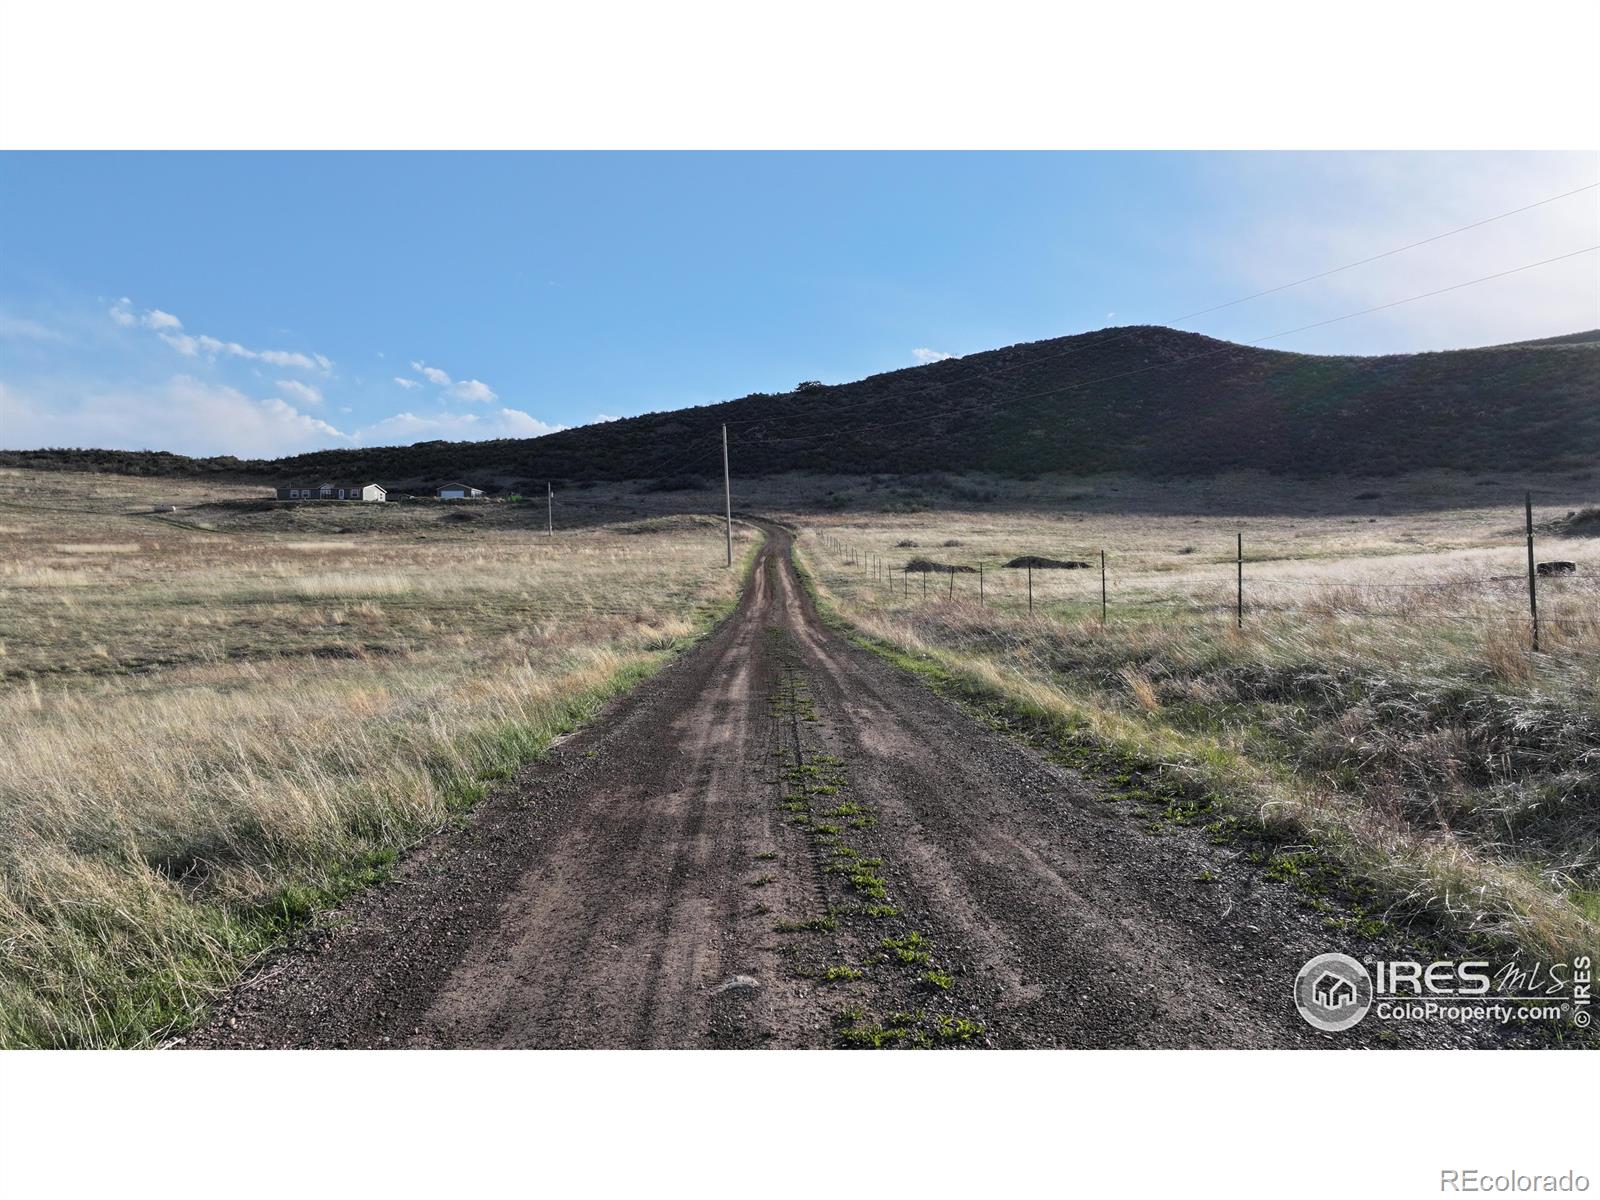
458,491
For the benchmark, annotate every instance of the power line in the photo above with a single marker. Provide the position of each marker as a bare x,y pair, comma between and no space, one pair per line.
1200,312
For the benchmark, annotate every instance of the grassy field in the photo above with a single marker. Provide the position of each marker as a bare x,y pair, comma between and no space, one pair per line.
216,721
1378,720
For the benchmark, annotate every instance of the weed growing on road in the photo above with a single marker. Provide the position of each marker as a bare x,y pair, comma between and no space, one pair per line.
805,778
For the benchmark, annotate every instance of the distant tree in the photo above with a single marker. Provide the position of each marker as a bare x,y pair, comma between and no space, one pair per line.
808,385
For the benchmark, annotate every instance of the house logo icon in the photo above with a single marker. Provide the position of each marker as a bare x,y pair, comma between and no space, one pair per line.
1333,992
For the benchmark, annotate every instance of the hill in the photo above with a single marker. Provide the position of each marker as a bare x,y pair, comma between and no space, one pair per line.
1141,399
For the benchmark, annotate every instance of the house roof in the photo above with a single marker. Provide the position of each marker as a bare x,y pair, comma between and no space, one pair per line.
320,486
467,486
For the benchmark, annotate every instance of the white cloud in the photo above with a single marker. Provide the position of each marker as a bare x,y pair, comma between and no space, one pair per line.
473,391
303,392
469,391
431,374
289,358
151,318
277,358
21,328
186,415
169,329
923,355
406,427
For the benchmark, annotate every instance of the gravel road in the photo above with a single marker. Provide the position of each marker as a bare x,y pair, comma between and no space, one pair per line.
783,840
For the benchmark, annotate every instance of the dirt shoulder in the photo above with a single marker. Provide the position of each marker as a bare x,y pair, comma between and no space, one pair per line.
783,840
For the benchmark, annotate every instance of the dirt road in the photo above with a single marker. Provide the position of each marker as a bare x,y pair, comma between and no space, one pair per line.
783,840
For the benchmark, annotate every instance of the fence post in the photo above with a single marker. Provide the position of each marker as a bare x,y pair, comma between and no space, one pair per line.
1102,587
1030,589
980,586
924,584
905,581
952,583
1533,574
1238,604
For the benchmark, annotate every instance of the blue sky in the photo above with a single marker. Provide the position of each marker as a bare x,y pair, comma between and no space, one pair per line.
269,303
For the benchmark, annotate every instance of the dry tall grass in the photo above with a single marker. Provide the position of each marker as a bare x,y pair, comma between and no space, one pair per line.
208,737
1381,702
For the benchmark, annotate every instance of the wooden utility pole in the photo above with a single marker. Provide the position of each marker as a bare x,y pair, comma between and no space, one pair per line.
1238,602
1533,573
1102,587
727,493
549,509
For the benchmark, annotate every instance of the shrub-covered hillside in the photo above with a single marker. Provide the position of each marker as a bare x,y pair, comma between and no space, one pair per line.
1142,399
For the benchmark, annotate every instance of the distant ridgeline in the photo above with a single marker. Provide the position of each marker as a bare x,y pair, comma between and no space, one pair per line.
1141,399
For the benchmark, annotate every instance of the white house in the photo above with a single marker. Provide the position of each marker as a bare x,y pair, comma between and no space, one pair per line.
369,492
458,491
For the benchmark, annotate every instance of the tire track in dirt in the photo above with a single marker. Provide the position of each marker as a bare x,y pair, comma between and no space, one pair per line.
673,876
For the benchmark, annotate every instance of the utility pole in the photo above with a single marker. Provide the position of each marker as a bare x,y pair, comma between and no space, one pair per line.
549,509
1533,574
727,493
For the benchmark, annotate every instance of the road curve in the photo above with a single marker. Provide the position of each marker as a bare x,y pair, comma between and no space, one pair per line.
685,872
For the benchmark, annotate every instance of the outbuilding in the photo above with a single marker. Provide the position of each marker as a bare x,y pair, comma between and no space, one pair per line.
369,492
458,491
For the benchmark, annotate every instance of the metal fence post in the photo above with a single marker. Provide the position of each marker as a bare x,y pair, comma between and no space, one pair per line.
1533,574
1238,603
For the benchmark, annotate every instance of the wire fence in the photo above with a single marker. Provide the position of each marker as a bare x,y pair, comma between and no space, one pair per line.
1525,604
1101,586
